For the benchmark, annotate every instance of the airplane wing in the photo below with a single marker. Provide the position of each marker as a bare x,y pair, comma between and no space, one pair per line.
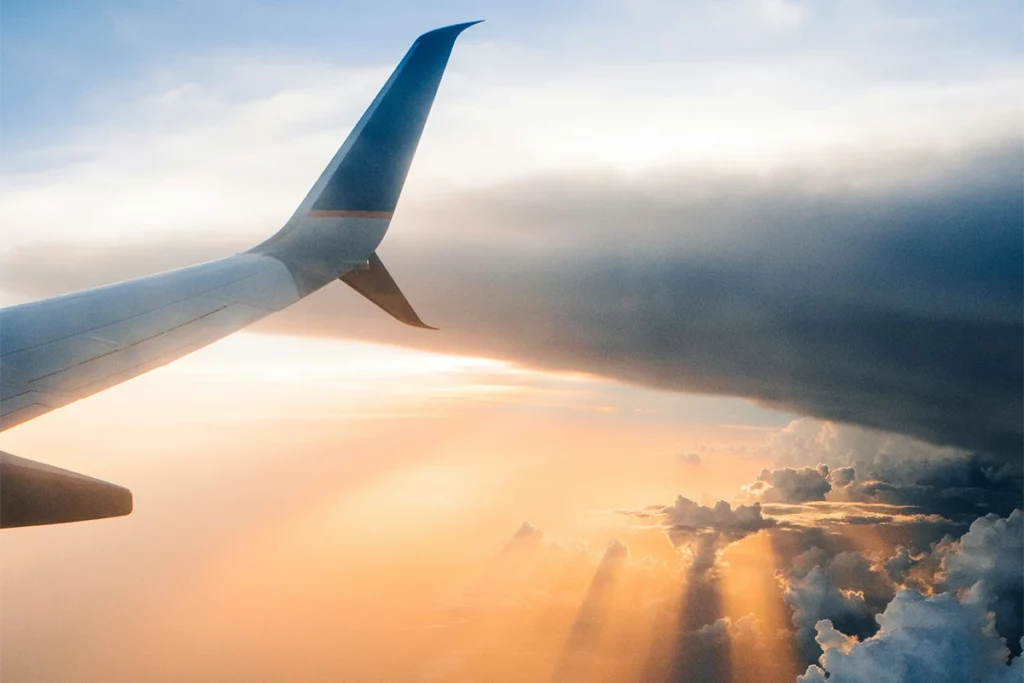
58,350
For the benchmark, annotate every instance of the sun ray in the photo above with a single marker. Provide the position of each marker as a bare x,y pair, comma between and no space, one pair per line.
575,663
750,592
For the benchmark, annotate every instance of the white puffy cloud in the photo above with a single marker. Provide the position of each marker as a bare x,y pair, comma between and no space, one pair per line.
703,531
791,485
721,523
961,633
937,639
687,518
986,566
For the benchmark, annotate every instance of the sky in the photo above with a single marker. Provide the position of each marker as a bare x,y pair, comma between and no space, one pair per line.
727,385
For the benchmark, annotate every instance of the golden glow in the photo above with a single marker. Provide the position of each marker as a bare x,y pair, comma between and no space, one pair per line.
749,587
323,510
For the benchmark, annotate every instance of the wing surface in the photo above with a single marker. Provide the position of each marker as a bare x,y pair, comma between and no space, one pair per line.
59,350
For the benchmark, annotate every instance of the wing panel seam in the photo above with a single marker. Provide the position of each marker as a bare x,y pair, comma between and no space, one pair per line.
85,333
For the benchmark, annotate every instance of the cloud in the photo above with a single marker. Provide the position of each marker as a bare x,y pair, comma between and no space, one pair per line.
528,533
789,485
983,569
819,594
703,531
895,304
686,518
731,285
920,640
830,244
816,596
875,284
986,566
866,466
898,566
689,459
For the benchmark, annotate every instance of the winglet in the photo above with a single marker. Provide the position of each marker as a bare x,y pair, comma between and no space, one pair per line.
375,159
348,210
375,283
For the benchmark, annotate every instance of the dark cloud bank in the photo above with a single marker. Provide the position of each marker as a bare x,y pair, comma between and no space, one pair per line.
885,292
895,305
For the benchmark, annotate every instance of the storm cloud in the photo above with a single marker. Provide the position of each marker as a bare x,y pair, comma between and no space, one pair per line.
881,290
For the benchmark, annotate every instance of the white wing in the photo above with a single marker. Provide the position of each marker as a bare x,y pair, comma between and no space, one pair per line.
59,350
62,349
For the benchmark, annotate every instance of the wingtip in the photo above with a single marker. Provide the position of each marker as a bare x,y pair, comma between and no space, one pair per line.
451,31
414,321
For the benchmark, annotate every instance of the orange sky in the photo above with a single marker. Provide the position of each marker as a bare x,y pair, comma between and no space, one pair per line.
330,510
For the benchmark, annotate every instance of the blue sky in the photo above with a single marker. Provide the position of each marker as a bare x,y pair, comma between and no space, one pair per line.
55,56
99,97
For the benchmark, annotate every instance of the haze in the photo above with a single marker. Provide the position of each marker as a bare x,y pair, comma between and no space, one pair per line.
763,252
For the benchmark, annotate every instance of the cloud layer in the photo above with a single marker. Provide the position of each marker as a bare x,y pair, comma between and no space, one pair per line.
893,301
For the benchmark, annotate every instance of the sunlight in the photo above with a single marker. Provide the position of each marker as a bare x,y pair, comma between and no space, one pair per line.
749,587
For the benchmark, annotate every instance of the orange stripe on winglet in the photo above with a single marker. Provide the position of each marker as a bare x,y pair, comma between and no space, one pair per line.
317,213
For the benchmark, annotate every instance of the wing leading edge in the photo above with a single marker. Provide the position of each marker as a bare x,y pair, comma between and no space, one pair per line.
59,350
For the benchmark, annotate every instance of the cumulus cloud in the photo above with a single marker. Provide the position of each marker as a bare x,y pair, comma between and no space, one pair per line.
986,566
984,570
937,639
814,596
898,566
817,595
704,531
686,519
792,485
